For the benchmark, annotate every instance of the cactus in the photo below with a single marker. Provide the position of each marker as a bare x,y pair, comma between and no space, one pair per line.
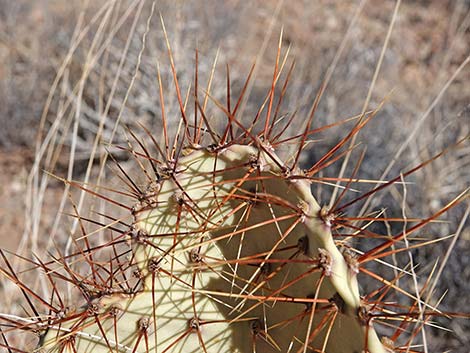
234,254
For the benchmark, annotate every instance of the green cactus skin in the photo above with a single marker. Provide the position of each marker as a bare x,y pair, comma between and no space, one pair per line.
235,255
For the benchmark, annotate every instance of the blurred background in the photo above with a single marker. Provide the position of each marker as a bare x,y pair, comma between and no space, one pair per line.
61,61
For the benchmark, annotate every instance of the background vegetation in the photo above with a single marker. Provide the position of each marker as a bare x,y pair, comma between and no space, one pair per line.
424,79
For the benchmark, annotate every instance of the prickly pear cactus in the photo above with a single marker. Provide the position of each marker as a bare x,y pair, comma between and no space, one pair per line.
234,255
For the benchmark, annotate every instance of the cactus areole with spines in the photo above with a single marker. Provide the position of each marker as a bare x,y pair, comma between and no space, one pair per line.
234,255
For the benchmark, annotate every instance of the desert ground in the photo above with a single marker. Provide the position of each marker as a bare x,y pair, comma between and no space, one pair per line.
423,83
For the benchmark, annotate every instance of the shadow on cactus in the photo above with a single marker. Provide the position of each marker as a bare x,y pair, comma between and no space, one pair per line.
221,246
